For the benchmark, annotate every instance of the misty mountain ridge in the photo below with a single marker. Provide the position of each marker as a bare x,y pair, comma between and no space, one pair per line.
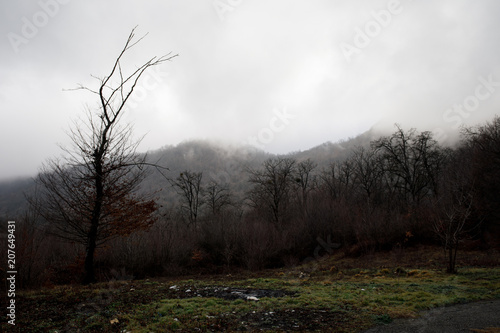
222,163
228,164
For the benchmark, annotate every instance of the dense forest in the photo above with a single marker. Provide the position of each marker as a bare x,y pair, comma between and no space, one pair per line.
221,208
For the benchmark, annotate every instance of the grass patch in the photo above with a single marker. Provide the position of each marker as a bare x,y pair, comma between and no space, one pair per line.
355,301
383,319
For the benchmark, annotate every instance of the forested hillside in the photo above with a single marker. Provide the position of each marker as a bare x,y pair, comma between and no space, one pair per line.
218,162
222,207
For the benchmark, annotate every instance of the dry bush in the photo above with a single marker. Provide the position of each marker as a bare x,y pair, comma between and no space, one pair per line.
259,246
219,237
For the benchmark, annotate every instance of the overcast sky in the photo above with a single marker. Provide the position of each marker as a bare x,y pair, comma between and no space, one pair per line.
281,75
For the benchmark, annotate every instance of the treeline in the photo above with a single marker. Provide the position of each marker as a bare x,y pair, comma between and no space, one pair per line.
402,189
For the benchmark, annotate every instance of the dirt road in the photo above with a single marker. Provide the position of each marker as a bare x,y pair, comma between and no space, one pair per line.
472,317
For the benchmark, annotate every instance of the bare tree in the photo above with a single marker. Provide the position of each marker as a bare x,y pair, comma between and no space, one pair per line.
482,144
328,180
412,161
272,188
305,182
90,196
367,172
337,179
453,221
486,138
188,186
217,196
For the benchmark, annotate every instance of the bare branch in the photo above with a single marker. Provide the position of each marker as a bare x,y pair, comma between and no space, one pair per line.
90,196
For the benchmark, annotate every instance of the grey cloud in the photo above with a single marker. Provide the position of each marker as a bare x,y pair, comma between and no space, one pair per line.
232,73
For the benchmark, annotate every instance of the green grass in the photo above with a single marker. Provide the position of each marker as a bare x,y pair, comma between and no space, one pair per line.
375,299
353,300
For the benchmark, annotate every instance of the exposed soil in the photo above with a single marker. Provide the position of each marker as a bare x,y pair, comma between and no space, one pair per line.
86,303
69,308
472,317
296,320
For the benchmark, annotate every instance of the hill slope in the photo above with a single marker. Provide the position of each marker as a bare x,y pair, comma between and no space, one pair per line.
223,164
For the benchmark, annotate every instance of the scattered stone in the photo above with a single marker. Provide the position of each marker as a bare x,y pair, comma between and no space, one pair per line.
228,293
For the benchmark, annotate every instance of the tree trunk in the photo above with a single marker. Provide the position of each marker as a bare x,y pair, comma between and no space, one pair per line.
91,246
89,257
94,222
452,258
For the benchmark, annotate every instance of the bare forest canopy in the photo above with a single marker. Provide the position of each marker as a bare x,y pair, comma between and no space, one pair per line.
222,206
215,160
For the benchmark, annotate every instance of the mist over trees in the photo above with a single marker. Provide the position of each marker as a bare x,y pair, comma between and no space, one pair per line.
224,208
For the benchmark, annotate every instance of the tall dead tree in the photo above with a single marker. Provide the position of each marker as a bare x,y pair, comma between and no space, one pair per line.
90,195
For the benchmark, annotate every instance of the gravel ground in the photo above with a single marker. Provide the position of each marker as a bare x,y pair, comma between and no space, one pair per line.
472,317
